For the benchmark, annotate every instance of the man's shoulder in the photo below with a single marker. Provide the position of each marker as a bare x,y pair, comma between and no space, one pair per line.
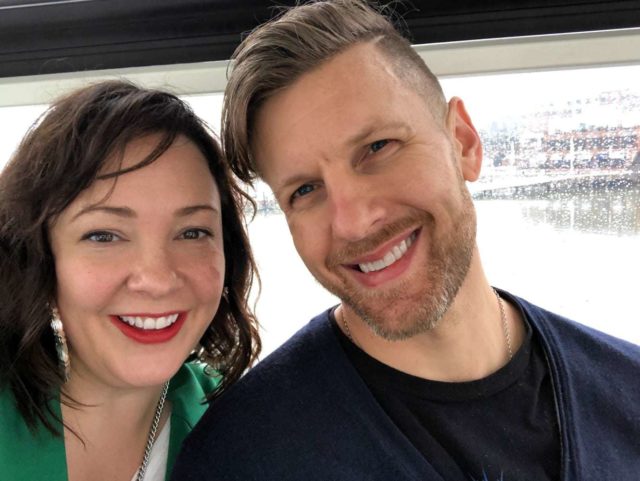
558,328
571,343
301,355
290,377
301,413
284,402
596,390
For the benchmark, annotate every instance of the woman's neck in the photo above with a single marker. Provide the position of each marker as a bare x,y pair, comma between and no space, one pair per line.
106,428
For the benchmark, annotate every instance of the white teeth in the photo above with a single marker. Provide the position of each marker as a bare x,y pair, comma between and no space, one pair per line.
150,323
405,245
389,258
394,254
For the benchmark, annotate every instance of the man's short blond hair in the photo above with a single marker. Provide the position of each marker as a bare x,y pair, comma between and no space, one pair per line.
276,54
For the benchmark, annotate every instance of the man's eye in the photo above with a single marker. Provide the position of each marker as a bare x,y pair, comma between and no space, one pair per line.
195,234
101,237
302,191
377,145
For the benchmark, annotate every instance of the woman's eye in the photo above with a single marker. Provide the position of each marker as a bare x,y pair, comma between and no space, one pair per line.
302,191
378,145
195,234
101,237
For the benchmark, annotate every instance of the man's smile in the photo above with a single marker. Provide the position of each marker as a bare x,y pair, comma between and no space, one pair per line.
393,255
387,262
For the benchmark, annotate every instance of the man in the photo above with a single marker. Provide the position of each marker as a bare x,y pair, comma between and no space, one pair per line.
424,371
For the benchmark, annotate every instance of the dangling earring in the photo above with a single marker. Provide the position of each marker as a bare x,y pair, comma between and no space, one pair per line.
199,352
61,343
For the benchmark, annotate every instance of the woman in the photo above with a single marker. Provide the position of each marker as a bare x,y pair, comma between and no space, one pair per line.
123,256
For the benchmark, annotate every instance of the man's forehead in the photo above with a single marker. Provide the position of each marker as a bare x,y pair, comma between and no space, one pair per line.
359,72
325,111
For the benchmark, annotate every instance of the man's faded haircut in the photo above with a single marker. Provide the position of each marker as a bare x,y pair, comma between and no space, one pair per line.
276,54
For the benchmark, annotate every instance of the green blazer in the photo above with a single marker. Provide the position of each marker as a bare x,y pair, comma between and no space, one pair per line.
25,456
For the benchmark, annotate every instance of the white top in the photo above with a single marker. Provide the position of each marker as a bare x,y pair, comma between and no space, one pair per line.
157,467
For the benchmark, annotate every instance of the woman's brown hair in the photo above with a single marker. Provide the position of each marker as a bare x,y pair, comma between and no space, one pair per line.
62,154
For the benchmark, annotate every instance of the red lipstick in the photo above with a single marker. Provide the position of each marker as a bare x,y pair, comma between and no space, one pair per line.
150,336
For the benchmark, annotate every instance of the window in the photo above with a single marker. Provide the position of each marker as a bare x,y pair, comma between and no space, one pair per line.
559,199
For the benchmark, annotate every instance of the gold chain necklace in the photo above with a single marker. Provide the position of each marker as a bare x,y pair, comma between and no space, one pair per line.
505,325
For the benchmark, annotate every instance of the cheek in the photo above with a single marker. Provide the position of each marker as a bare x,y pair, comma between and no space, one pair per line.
428,187
83,285
206,276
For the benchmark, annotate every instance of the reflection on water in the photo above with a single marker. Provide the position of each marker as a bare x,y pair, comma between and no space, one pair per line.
615,212
575,255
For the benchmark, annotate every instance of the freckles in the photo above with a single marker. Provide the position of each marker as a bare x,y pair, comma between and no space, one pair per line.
208,285
85,282
82,294
75,276
209,271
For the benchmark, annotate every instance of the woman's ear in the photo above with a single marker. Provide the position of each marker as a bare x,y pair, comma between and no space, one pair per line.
466,141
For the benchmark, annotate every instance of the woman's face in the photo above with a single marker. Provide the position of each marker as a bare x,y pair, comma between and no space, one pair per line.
140,267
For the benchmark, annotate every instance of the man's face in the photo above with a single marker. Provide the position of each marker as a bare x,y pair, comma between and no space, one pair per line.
373,190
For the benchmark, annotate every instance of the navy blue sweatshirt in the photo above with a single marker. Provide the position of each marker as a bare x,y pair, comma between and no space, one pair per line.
305,414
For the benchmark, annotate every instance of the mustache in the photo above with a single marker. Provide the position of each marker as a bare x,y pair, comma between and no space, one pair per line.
352,250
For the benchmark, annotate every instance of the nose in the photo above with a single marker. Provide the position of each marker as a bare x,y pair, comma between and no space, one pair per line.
356,206
154,273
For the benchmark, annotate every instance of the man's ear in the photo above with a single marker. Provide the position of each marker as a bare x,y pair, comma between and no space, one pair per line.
466,141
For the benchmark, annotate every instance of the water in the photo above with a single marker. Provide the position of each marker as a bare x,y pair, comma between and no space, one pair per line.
577,256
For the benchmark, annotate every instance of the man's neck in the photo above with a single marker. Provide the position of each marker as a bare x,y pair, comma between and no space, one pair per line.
469,342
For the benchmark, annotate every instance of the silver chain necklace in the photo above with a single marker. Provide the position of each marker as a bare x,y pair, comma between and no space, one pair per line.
152,433
503,318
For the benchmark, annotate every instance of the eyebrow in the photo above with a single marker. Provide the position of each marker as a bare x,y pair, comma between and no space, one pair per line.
117,211
127,213
375,126
192,209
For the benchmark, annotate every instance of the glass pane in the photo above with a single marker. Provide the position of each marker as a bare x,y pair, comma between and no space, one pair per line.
14,122
559,197
558,201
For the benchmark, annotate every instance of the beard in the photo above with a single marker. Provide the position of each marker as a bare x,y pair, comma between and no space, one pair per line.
418,304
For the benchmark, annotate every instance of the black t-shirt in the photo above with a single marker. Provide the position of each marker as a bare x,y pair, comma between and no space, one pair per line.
500,428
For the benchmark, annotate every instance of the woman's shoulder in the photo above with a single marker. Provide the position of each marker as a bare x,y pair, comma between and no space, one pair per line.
188,395
189,388
12,423
8,410
27,454
195,378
